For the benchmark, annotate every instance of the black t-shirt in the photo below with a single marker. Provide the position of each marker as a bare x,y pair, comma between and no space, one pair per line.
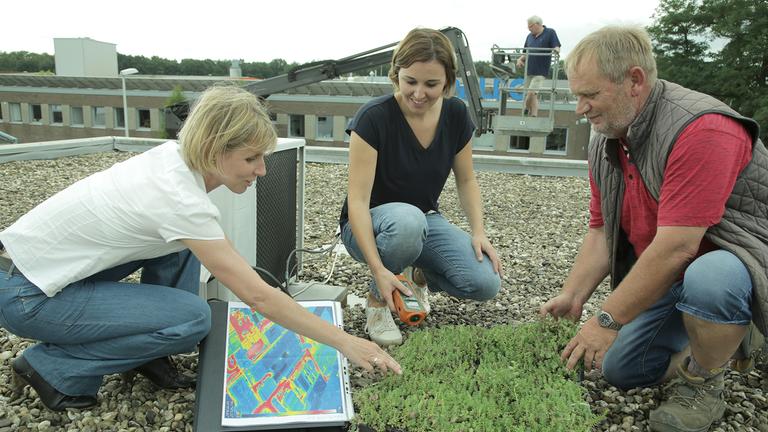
405,171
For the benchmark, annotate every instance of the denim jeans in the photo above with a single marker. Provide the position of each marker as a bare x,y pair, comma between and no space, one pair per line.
406,236
716,288
101,326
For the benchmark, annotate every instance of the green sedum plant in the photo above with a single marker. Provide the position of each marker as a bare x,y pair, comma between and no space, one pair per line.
472,379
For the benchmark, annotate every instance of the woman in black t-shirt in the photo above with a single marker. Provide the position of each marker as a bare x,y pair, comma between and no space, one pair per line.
402,149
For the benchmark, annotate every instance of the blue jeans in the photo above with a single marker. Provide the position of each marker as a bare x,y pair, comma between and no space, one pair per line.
716,288
406,236
101,326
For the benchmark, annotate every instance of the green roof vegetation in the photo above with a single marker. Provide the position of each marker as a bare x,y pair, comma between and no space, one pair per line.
465,378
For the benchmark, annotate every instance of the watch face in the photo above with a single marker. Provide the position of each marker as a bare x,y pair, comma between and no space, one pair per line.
604,319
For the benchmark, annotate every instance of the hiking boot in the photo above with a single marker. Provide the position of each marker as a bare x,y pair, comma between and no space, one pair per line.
693,405
419,285
750,348
380,326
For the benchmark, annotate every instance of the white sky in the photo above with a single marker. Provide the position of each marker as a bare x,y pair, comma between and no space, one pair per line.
296,30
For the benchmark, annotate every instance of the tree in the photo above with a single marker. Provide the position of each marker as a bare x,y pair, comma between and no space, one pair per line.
23,61
687,35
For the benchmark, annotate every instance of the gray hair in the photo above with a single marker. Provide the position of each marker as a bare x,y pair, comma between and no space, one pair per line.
616,50
535,19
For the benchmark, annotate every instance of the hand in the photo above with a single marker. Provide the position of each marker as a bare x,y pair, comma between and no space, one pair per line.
387,283
564,305
591,344
480,244
368,355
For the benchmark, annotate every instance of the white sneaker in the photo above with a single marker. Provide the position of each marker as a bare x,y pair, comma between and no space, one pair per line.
381,327
420,291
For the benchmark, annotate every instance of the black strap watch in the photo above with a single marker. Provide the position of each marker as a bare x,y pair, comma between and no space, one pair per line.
606,320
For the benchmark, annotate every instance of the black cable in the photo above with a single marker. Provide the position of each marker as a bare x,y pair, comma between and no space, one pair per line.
264,272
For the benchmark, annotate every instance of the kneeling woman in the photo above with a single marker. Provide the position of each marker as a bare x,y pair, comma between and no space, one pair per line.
402,148
62,263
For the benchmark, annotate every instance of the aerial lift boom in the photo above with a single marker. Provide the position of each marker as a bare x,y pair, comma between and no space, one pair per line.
330,69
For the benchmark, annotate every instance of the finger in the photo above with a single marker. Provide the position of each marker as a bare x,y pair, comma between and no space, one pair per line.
367,364
387,297
545,310
391,364
403,288
395,367
569,349
495,262
598,360
478,252
576,355
589,361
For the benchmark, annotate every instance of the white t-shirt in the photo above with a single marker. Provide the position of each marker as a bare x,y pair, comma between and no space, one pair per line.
137,209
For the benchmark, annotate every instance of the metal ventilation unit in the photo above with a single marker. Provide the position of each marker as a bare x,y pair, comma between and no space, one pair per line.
266,222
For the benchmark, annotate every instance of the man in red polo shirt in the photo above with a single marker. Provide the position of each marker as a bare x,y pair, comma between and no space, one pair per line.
679,197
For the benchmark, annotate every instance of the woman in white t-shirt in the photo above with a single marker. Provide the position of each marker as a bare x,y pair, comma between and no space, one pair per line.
61,264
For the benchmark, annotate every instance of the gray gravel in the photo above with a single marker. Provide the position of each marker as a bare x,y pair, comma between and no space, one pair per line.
535,223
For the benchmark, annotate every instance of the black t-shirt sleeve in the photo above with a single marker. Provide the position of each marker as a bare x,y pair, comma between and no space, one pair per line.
464,125
367,124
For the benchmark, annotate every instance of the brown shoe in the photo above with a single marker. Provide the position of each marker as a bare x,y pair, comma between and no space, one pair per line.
693,405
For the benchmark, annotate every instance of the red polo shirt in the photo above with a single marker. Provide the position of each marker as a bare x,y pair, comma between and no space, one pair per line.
699,177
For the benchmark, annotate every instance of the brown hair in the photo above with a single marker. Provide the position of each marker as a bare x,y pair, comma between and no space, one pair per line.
424,45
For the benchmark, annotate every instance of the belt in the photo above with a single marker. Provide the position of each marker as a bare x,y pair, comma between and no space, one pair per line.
6,265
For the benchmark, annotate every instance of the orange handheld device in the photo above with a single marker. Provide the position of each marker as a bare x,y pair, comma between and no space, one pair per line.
408,308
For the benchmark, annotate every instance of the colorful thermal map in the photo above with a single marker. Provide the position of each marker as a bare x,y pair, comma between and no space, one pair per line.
273,372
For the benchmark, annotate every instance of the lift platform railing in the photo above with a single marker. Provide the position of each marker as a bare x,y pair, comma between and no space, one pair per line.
504,65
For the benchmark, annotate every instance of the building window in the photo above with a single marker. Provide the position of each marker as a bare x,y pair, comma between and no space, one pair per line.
145,121
324,128
35,113
119,118
519,143
15,109
556,141
76,116
99,117
56,116
296,125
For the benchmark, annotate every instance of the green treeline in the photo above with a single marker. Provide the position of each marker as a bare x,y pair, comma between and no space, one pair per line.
23,61
718,47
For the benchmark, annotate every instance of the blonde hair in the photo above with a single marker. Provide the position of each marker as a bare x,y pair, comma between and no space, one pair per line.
424,45
224,118
615,49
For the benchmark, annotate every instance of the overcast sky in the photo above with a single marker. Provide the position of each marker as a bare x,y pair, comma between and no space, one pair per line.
296,30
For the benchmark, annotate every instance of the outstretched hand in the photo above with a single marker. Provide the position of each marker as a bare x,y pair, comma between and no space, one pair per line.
590,343
562,306
368,355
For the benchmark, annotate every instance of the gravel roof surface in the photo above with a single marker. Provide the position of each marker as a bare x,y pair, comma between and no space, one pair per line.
535,223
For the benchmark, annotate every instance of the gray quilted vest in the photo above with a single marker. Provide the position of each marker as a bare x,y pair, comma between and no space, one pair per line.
743,229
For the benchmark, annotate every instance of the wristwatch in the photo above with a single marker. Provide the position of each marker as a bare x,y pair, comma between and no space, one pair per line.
606,320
